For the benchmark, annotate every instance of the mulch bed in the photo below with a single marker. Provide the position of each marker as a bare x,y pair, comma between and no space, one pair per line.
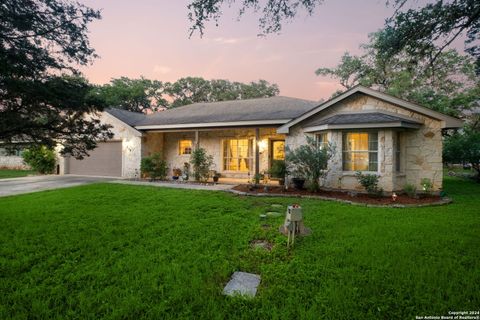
339,195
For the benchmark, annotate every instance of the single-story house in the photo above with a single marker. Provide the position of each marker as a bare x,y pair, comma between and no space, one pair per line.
372,132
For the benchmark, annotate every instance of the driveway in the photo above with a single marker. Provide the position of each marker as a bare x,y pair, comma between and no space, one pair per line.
9,187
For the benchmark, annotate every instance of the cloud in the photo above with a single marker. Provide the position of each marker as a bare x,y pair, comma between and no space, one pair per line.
228,40
161,69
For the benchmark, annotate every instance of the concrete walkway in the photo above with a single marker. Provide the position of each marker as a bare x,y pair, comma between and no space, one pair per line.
177,185
14,186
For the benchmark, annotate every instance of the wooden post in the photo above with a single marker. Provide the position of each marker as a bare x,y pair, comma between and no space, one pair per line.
257,151
197,140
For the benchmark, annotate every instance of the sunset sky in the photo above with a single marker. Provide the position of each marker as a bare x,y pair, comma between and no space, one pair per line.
150,38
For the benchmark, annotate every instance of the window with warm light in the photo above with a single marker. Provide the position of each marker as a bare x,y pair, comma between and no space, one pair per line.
278,150
237,155
360,151
322,139
185,147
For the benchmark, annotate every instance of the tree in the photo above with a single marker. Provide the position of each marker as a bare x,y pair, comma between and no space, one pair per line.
188,90
39,41
425,31
463,147
196,89
137,95
274,12
309,161
450,85
428,31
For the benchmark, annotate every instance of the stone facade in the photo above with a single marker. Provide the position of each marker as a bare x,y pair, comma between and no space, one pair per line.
131,146
420,149
168,144
12,162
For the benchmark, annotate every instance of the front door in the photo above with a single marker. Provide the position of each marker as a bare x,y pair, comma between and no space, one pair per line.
277,150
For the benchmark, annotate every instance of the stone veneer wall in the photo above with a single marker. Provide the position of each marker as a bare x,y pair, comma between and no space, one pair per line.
131,146
211,140
12,162
421,149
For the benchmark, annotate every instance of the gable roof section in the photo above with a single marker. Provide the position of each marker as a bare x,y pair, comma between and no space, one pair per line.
447,121
362,120
263,111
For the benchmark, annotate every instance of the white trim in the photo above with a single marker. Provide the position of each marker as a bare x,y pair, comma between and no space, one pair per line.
213,124
398,124
447,121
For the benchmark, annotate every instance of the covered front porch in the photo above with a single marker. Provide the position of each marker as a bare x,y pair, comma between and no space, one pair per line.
238,153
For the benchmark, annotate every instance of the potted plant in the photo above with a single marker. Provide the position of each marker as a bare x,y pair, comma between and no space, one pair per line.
186,171
278,171
215,176
176,173
298,182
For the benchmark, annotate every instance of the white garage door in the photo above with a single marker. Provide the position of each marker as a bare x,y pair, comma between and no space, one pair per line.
104,160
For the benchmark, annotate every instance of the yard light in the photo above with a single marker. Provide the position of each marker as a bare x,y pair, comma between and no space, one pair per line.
394,197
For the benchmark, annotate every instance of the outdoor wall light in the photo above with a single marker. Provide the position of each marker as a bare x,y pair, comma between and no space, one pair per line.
262,146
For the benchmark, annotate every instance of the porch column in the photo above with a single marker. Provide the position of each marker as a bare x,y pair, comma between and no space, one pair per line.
197,140
257,151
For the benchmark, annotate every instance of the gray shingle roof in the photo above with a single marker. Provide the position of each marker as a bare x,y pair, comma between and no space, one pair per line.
360,118
273,108
129,117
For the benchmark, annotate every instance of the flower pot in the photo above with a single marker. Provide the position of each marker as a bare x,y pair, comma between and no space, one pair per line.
175,177
215,179
298,183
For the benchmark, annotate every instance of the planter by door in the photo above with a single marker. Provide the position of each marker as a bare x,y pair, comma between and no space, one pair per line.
298,183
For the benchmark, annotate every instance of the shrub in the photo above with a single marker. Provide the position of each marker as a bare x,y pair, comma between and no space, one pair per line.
310,161
40,159
369,182
154,166
278,169
201,164
427,185
257,177
410,190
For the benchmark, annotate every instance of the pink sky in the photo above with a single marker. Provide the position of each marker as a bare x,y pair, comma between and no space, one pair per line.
150,38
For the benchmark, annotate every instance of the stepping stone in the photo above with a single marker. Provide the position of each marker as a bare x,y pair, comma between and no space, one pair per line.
243,284
273,214
261,244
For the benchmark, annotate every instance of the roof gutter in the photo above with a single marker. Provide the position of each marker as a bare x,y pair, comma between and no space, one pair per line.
213,124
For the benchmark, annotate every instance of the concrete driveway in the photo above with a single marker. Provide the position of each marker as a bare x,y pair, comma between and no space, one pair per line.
9,187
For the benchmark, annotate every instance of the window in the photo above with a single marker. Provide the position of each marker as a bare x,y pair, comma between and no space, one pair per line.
237,155
360,151
397,152
278,150
185,147
322,139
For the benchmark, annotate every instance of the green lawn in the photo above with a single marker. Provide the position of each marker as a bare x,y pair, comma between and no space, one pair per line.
10,173
125,252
